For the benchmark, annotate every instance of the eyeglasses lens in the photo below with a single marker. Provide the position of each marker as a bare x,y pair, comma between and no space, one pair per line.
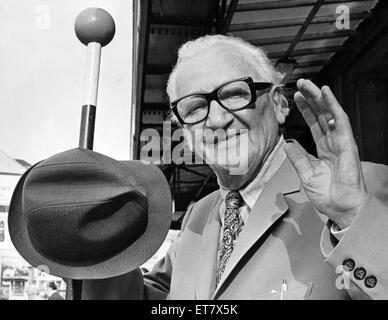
233,96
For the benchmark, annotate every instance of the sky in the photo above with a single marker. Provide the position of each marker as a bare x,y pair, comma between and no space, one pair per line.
42,67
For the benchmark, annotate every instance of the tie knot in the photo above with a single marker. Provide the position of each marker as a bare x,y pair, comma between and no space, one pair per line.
233,200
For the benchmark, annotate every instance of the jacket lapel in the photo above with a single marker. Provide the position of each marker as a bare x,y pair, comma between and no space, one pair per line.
209,250
270,206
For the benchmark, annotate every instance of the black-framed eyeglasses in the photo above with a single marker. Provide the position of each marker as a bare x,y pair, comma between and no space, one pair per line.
232,96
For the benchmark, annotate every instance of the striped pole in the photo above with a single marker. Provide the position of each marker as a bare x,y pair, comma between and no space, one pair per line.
95,28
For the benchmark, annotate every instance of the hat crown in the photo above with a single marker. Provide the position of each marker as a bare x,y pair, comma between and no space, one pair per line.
84,215
81,212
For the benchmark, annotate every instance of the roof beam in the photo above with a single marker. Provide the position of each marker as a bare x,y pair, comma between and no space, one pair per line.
369,34
303,28
304,75
311,63
231,10
176,21
270,5
292,22
305,37
156,106
141,20
304,52
186,31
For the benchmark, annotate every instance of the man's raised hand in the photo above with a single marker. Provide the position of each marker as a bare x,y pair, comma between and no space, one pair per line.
333,182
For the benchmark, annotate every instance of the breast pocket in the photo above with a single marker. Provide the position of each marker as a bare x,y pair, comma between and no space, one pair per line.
293,292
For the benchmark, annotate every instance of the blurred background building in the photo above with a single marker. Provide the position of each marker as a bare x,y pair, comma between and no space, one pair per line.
18,280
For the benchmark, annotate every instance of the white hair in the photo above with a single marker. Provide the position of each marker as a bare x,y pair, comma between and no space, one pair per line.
255,55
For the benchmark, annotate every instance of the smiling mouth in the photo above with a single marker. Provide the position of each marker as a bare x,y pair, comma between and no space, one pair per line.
217,139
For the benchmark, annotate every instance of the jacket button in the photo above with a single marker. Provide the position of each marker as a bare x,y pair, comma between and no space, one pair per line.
370,281
359,273
349,264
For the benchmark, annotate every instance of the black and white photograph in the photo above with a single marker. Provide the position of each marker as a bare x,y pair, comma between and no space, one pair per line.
216,151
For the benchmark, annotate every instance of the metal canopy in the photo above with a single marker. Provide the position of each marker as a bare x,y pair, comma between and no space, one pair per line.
305,30
170,24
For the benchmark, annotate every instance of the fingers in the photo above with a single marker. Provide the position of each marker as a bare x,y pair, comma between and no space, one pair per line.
314,96
309,90
331,102
309,116
325,106
333,122
340,117
315,102
299,159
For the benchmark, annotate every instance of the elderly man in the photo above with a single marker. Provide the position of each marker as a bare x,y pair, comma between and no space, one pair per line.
288,226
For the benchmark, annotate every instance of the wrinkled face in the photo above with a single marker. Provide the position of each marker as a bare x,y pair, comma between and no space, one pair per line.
246,136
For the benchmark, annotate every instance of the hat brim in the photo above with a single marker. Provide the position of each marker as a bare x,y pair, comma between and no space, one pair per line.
159,221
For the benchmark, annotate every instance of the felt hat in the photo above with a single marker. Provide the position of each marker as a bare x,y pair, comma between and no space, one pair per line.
83,215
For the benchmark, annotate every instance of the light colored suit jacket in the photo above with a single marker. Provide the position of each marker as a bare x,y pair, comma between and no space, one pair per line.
284,238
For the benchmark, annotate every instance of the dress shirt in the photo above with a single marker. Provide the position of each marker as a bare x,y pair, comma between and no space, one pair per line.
252,191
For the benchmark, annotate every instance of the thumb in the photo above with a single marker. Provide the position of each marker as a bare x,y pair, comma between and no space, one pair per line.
299,159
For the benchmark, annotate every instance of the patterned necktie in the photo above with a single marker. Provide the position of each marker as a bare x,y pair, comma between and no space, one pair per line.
232,227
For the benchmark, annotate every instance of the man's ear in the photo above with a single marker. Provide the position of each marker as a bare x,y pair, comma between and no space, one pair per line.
280,104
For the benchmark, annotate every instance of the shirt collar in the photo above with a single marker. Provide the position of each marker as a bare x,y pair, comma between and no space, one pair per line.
252,191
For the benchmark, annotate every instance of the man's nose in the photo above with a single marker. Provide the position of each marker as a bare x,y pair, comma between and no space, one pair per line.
218,116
